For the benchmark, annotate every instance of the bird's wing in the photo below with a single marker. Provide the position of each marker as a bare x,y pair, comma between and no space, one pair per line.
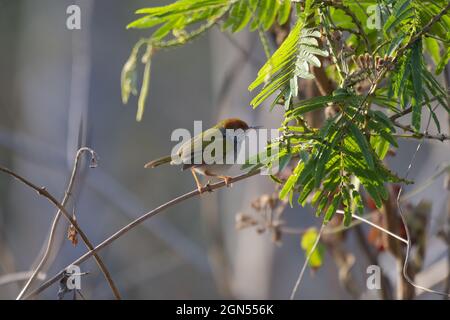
191,152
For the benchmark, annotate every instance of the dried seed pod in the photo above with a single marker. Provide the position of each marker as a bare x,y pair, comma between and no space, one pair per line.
361,61
377,60
368,60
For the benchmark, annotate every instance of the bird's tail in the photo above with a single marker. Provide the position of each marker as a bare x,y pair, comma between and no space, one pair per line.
158,162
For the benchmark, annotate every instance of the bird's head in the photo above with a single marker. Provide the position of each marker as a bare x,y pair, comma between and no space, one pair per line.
233,124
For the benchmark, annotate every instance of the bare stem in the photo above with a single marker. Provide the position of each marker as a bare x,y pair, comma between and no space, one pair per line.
419,135
42,191
57,217
19,276
305,264
138,221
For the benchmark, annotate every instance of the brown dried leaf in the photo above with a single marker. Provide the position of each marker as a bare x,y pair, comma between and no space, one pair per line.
72,233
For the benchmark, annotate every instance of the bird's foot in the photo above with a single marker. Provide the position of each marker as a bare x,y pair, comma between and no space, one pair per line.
207,187
227,180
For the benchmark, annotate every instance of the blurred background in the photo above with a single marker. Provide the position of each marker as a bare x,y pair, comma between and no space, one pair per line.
60,89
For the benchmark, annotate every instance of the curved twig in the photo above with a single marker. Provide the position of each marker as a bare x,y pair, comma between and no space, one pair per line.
19,276
138,221
403,218
420,135
305,264
57,217
42,191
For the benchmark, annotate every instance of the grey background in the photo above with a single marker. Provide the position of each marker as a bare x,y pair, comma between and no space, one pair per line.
51,77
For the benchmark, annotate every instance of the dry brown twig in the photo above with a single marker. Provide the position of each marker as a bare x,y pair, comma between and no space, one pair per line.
19,276
42,191
58,214
152,213
138,221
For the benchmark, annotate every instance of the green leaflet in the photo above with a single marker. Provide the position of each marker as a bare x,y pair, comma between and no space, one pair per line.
285,10
324,157
357,205
443,62
432,46
292,180
317,103
191,11
260,14
363,144
145,84
290,61
347,202
333,207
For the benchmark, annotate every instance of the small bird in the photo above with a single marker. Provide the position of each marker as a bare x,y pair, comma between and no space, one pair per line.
227,136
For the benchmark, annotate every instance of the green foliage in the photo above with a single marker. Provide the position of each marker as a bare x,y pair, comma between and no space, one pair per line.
184,20
176,17
412,84
260,14
392,49
290,62
336,153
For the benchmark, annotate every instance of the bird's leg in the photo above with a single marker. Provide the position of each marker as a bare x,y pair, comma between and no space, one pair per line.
199,185
226,179
208,186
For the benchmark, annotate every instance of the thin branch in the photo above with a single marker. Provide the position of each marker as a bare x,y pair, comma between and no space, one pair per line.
403,219
154,212
399,54
447,225
401,114
57,217
264,43
422,32
386,289
117,194
300,277
19,276
404,290
42,191
375,226
409,109
420,135
305,264
138,221
356,21
328,230
164,44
